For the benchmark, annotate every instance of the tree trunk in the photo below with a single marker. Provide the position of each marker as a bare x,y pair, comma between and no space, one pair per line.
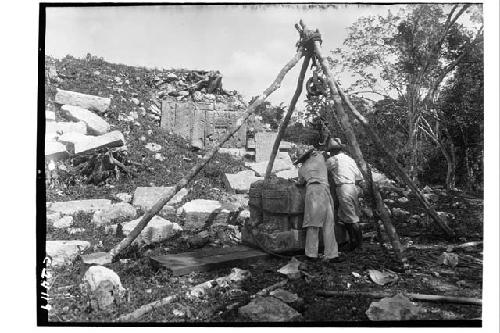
412,130
206,158
358,157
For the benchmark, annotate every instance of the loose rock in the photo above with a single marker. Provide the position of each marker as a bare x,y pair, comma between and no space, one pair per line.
268,309
79,143
449,259
114,212
103,287
240,182
146,197
64,252
398,307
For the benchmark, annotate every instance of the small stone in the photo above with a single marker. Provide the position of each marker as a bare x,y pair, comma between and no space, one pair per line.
97,258
183,93
142,138
159,157
449,259
197,96
153,147
124,197
50,116
135,101
403,200
74,231
142,111
134,115
291,270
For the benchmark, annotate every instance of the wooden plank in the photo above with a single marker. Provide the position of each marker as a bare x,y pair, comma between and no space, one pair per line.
207,259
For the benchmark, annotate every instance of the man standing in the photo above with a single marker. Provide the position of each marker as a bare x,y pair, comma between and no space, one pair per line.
318,211
346,175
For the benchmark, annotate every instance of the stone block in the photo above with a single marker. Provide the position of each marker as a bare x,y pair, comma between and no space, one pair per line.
114,212
146,197
240,182
288,174
91,102
200,212
95,124
63,252
63,222
157,230
278,165
55,151
79,143
75,206
55,129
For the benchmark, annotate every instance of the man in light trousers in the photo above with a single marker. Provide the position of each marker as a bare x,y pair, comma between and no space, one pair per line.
318,212
346,175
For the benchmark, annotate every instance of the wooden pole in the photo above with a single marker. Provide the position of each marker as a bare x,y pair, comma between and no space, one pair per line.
411,296
206,158
392,160
358,157
288,115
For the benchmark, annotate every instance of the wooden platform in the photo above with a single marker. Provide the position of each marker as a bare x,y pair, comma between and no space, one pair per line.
206,259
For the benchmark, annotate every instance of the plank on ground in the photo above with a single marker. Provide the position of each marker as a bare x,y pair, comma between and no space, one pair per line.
206,260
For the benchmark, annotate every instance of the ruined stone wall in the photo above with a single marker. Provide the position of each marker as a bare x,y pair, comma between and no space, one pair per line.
203,124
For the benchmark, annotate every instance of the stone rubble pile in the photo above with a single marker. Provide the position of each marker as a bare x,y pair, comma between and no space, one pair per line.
84,129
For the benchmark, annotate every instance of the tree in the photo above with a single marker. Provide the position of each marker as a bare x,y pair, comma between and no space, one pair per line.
461,108
270,114
407,57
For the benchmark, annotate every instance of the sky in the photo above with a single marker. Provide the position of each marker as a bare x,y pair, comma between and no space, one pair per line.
248,44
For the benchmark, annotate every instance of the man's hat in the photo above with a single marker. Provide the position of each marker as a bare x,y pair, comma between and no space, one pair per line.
334,143
304,156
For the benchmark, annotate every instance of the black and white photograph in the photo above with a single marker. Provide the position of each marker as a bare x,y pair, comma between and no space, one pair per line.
263,164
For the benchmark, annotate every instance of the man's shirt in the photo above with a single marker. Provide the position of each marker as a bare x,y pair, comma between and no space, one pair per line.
343,168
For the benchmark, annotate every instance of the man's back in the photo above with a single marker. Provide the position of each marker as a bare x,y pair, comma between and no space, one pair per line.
344,169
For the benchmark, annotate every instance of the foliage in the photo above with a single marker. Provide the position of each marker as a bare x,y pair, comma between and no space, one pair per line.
270,114
404,58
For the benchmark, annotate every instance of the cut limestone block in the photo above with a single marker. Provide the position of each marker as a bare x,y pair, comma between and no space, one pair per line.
113,213
53,217
54,129
102,287
124,197
91,102
63,252
75,206
95,124
63,222
240,182
79,143
268,309
55,151
288,174
50,116
200,212
146,197
157,230
278,165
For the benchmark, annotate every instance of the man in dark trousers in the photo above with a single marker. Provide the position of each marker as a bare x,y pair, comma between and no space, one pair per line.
345,176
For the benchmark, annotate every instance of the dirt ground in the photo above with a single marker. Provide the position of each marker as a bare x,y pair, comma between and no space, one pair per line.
424,245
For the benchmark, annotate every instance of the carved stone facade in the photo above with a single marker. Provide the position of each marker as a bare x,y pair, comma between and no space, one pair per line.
203,124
